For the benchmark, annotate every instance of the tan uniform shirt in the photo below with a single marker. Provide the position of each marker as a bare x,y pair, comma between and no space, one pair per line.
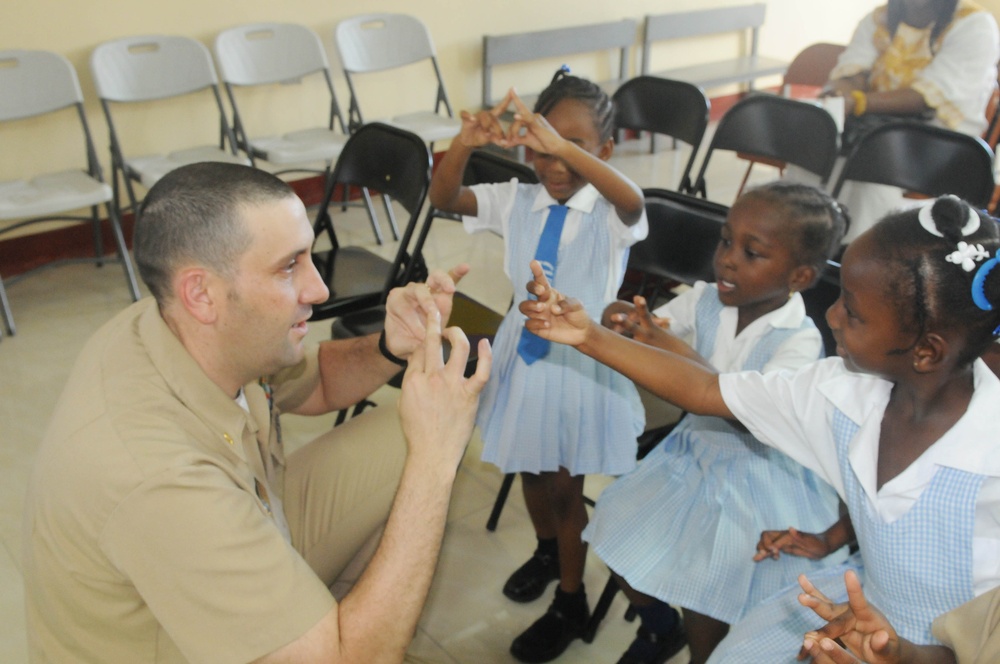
148,535
971,630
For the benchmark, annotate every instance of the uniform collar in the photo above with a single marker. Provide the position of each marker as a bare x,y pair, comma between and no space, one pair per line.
189,383
583,200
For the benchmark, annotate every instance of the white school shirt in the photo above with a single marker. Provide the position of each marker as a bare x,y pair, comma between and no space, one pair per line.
731,351
494,203
793,412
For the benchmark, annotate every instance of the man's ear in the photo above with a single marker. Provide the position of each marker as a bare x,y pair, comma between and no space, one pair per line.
930,352
801,278
197,292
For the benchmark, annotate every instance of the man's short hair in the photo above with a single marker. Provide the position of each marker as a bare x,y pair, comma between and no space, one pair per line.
193,215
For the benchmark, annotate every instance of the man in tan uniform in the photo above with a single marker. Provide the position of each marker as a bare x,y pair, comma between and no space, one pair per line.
163,522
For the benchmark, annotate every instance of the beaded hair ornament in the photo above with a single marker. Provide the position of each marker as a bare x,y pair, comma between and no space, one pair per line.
966,255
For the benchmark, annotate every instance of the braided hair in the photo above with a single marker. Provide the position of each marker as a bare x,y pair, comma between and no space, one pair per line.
564,86
944,11
816,222
930,280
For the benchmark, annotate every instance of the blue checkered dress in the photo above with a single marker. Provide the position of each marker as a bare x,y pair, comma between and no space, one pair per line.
683,526
565,410
915,568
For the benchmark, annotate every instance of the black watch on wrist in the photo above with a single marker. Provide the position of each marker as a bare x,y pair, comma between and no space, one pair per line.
386,353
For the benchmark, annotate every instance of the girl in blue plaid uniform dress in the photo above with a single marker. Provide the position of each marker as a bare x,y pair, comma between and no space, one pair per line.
901,424
548,412
680,529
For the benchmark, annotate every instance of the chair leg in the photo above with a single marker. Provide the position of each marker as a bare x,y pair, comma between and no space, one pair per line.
371,215
393,226
746,176
123,255
600,609
8,317
491,523
95,227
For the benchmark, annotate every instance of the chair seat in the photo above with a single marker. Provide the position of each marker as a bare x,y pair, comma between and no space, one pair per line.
428,125
306,145
50,194
150,168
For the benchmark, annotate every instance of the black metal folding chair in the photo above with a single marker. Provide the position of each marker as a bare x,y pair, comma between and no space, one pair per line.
664,106
774,127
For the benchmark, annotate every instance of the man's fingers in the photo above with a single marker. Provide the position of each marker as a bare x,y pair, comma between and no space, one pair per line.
431,359
484,364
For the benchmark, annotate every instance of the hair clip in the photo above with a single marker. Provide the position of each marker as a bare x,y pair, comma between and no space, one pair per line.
967,255
926,218
564,68
978,284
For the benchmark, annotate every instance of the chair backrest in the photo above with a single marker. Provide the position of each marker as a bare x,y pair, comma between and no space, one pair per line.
813,64
919,157
664,106
389,160
819,298
36,82
374,42
396,163
151,67
263,53
684,232
767,125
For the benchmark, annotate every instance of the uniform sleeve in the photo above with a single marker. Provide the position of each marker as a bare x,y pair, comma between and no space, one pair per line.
786,411
860,53
960,79
626,236
212,567
971,629
493,205
681,310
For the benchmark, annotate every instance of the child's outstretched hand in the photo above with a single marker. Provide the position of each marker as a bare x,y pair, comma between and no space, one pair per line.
484,127
552,316
861,627
793,542
636,322
537,133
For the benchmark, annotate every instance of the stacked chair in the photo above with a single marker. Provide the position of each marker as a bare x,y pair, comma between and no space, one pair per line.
40,83
148,69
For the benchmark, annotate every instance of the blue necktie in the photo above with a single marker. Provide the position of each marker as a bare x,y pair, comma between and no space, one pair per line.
531,346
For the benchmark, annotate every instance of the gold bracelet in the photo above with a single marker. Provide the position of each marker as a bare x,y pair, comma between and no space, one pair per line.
860,102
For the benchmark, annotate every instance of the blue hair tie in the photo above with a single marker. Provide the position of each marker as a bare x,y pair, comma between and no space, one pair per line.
978,284
564,68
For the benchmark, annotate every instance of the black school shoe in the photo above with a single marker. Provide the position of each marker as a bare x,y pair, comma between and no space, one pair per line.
651,648
529,581
549,636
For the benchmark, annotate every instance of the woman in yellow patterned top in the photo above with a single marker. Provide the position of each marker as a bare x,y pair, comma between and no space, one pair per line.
915,56
929,59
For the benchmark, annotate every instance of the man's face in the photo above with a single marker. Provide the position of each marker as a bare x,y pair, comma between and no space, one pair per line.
263,318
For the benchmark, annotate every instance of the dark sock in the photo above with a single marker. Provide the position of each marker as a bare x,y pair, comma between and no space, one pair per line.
572,605
659,617
548,547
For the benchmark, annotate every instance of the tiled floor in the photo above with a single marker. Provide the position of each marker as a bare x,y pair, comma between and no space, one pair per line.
466,620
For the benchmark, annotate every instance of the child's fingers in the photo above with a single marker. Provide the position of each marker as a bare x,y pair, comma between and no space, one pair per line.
501,107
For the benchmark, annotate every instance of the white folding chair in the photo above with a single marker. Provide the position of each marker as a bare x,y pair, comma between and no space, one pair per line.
377,42
147,69
268,54
35,83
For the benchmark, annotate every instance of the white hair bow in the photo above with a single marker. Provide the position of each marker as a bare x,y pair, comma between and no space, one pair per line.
967,255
